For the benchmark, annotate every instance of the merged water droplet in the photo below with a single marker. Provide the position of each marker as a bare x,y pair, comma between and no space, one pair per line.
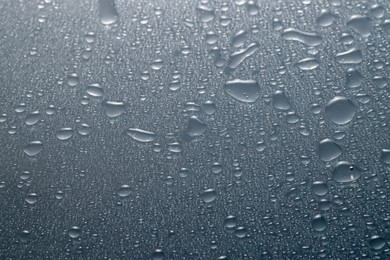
361,25
345,172
351,56
308,64
33,148
140,135
340,110
195,127
243,90
309,39
328,150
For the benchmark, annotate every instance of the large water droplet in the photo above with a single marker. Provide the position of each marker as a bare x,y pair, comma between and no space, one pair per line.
124,191
158,254
354,78
351,56
376,242
319,223
107,12
326,18
328,150
64,133
345,172
320,188
385,156
33,118
33,148
195,127
361,25
280,101
74,232
208,195
113,108
32,198
243,90
340,110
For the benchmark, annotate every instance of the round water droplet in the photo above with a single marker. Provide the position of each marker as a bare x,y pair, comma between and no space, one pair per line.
377,242
64,133
32,198
230,221
74,232
33,148
318,223
241,232
113,108
320,188
124,191
73,79
158,254
340,110
208,195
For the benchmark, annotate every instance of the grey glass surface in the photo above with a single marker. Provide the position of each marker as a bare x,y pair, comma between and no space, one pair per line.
227,129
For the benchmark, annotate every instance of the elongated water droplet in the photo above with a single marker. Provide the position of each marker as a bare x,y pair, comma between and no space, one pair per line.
140,135
309,39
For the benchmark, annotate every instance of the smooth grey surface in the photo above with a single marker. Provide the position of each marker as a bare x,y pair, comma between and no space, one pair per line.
170,129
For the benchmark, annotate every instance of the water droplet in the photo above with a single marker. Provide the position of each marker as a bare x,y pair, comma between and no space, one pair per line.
107,12
209,108
243,90
340,110
33,118
319,223
351,56
280,101
345,172
74,232
239,38
95,90
73,79
308,64
320,188
124,191
361,25
328,150
208,195
385,156
309,39
376,242
84,129
113,108
33,148
32,198
241,232
326,18
230,221
195,127
236,58
64,133
158,254
25,236
205,13
140,135
354,78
